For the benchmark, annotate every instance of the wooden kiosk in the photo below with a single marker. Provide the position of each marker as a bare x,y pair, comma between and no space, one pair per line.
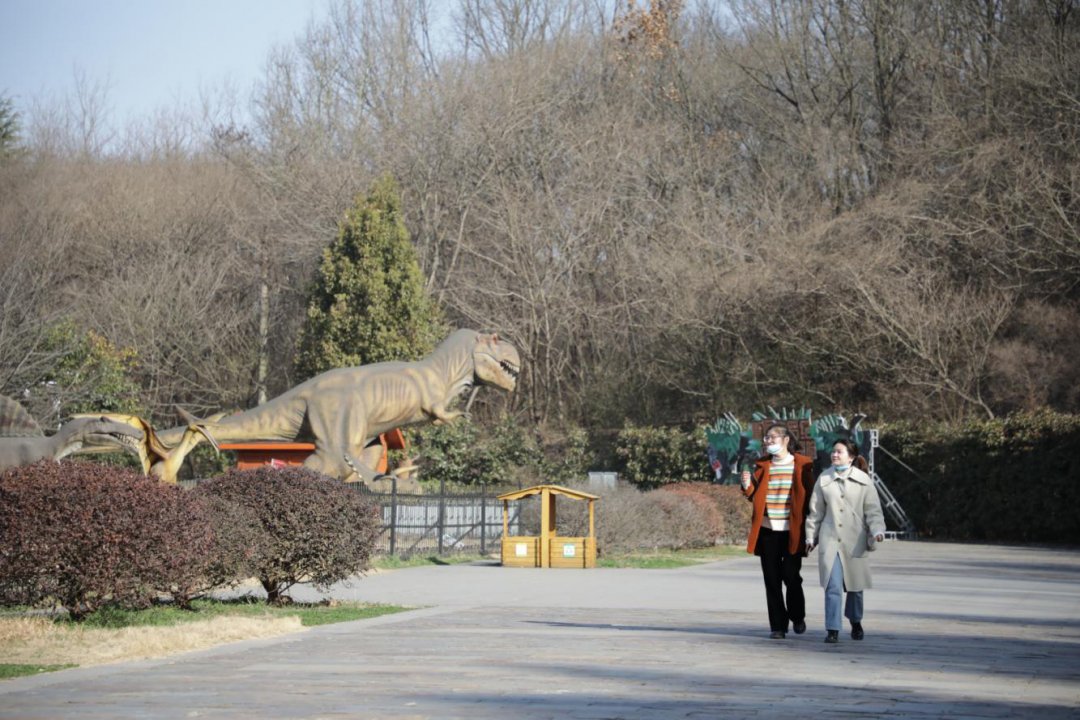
548,550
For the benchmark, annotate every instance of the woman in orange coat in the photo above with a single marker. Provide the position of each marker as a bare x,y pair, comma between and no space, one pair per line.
780,488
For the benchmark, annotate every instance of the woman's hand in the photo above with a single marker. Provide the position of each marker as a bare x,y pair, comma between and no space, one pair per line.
810,546
745,478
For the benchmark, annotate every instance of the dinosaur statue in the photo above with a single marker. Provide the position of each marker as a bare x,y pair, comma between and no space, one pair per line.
730,445
827,429
730,448
82,432
156,458
343,411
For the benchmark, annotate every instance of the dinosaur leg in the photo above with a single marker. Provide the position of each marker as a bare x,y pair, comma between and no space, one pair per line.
335,453
364,461
329,462
356,463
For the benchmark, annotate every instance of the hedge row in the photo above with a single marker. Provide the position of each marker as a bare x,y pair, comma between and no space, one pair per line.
1013,479
83,536
676,516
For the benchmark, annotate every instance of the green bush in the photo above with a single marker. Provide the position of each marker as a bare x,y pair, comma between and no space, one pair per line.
567,456
313,529
467,453
86,536
1012,479
504,453
653,456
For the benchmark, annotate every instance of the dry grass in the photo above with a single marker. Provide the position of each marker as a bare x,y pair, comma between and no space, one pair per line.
38,640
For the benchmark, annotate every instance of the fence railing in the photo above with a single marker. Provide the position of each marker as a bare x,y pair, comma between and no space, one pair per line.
469,521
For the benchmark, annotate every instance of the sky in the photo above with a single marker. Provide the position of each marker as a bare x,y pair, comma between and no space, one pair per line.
150,54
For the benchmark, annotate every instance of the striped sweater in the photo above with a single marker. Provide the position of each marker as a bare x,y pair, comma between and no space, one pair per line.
778,495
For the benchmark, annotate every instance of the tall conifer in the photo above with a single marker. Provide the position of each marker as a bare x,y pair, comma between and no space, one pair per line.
368,303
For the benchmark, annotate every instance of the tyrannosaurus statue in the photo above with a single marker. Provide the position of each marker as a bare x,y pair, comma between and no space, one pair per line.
82,432
343,411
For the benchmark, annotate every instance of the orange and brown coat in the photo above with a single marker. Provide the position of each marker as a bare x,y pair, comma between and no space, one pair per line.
801,488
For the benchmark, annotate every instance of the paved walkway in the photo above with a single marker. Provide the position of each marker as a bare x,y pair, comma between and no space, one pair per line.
951,631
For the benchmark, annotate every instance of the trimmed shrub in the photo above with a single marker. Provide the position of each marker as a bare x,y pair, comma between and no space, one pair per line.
85,535
236,541
707,507
313,529
680,521
734,509
624,521
653,456
728,511
628,519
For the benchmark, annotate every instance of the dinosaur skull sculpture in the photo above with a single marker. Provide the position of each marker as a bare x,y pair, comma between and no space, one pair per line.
496,362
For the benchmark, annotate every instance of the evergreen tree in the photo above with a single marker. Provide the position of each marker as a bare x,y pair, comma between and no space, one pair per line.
9,127
368,302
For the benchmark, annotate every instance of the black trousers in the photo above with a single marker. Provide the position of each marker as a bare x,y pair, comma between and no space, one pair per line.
781,569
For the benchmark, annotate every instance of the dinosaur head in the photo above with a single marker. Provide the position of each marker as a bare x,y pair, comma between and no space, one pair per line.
496,362
100,433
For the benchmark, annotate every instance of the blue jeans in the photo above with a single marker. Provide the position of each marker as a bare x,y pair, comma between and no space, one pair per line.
834,593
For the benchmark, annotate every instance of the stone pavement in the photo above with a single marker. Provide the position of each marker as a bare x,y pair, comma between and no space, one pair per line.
952,631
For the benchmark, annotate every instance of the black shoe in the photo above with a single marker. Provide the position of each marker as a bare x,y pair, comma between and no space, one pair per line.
777,635
832,636
856,631
800,627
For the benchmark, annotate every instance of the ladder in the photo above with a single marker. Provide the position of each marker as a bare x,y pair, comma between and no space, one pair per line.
891,504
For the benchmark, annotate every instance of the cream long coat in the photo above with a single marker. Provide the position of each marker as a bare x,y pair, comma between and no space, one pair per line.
845,520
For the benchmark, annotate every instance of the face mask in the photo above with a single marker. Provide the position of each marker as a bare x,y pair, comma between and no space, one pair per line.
774,449
841,468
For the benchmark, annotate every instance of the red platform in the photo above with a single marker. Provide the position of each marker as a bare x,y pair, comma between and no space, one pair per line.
255,454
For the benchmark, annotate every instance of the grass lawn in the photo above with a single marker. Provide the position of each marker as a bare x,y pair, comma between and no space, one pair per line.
8,670
666,559
32,644
392,562
165,615
655,559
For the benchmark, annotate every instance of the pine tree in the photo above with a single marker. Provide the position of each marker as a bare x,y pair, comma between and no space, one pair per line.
9,128
368,303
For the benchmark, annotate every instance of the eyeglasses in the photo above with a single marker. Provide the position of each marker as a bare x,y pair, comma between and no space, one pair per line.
773,438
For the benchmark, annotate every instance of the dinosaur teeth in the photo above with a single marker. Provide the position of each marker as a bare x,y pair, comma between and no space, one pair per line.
509,369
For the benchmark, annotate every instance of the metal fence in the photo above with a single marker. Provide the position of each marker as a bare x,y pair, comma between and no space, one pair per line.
469,521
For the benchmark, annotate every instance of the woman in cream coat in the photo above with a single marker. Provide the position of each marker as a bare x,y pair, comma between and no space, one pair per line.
844,523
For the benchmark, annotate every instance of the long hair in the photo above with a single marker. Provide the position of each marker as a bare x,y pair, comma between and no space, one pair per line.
853,450
793,445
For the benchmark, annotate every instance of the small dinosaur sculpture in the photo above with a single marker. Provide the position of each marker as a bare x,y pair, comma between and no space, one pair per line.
82,432
157,459
343,411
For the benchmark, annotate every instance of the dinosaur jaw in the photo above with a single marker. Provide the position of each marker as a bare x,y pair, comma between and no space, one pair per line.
106,433
112,441
497,363
100,434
